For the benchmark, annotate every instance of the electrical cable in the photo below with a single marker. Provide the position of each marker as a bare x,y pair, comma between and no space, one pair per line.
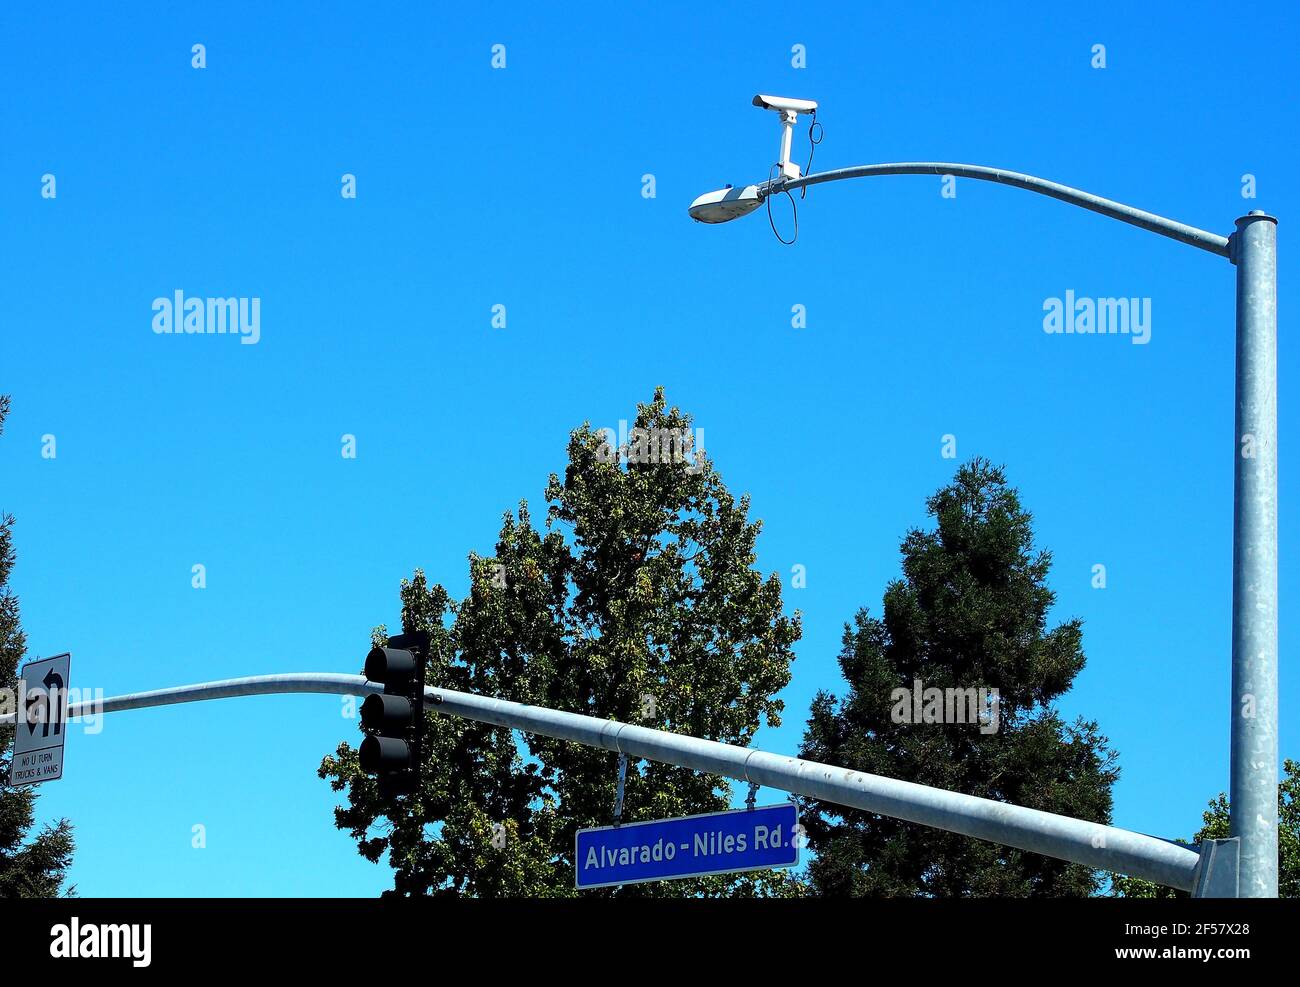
812,146
794,206
816,133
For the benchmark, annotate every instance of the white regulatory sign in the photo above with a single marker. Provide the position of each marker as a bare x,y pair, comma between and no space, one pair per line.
41,725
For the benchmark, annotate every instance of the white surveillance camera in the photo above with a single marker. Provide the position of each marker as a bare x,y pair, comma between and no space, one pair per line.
789,109
785,103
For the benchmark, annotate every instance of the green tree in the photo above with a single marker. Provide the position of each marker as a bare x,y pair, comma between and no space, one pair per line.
31,866
637,601
1215,826
969,612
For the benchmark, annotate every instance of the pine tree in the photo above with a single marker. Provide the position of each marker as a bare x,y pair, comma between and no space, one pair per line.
970,612
30,866
638,601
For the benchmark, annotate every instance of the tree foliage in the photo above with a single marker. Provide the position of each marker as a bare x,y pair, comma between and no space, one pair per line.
969,612
638,600
31,865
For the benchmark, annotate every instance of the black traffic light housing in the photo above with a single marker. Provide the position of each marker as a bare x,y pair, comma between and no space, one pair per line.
394,719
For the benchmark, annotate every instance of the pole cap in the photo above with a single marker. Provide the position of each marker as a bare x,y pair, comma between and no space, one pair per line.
1254,216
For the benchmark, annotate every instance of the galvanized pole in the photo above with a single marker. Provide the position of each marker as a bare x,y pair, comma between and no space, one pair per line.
1253,249
1254,559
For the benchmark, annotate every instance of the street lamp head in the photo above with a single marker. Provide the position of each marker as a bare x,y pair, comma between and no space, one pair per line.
725,204
730,203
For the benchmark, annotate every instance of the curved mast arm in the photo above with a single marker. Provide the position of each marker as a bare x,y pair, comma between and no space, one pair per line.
1181,232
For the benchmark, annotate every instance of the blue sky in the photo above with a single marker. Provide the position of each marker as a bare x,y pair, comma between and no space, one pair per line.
522,187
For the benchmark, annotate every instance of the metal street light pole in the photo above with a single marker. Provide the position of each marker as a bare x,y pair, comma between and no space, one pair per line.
1254,559
1253,249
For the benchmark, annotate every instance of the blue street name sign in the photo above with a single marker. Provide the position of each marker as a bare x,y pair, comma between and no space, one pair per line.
691,846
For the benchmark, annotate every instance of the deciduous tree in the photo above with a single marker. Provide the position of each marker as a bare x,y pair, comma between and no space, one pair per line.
638,600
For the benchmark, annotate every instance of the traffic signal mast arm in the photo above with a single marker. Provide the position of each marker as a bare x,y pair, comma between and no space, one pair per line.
1103,847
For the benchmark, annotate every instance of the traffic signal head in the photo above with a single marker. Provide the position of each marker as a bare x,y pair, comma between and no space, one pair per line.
394,719
386,713
395,667
384,755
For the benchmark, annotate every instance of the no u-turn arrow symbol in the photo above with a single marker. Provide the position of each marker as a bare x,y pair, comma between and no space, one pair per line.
43,711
